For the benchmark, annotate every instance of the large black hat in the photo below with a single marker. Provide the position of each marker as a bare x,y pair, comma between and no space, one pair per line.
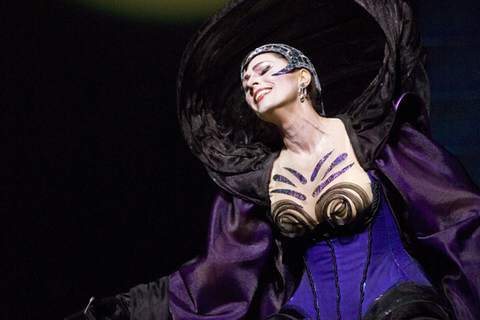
366,53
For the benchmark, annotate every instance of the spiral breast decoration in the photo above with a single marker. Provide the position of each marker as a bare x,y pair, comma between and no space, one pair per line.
291,219
342,204
320,205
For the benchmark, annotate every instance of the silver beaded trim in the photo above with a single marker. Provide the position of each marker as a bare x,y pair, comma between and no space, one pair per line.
296,60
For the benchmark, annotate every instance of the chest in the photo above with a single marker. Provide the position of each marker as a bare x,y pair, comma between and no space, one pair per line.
326,187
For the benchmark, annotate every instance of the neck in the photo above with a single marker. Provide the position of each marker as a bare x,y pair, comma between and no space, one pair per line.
301,129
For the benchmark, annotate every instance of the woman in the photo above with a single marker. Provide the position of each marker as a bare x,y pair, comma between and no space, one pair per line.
319,193
317,186
248,272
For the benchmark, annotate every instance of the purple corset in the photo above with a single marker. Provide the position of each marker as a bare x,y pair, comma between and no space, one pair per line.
348,273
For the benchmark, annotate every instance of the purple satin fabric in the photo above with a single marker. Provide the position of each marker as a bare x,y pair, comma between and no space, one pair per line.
389,265
240,278
443,210
222,284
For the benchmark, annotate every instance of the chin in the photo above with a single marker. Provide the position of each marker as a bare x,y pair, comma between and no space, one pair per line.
265,116
265,108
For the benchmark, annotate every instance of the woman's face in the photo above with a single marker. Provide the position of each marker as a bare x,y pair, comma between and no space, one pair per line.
266,93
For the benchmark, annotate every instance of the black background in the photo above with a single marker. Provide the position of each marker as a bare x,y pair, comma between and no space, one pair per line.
99,191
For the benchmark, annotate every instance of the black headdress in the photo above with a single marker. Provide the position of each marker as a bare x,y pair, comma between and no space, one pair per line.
366,53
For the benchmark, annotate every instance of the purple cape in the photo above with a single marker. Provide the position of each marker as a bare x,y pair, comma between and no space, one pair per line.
368,54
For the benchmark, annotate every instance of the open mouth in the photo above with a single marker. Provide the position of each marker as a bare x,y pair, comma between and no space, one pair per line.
261,93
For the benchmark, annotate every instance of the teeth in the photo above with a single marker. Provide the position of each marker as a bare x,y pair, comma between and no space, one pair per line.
262,93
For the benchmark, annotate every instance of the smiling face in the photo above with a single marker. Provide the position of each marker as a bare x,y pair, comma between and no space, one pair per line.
266,93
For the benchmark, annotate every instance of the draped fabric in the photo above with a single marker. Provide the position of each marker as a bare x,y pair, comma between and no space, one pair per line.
368,55
233,279
437,206
150,301
442,213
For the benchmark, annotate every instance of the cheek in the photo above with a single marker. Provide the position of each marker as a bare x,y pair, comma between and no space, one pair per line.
249,100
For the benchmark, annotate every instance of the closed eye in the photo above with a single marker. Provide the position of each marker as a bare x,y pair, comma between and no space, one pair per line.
264,71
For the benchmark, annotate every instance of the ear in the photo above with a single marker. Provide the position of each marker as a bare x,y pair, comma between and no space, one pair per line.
305,77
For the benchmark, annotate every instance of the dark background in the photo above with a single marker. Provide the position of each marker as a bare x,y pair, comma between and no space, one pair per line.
99,192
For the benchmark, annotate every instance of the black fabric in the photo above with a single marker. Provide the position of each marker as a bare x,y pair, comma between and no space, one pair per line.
150,301
80,315
366,53
409,301
286,315
405,301
110,308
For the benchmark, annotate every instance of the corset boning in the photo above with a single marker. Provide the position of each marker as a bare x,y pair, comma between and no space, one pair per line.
346,274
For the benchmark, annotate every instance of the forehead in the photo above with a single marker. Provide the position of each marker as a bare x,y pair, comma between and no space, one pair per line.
268,56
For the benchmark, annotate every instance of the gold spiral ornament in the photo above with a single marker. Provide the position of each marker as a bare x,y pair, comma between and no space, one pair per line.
342,205
291,219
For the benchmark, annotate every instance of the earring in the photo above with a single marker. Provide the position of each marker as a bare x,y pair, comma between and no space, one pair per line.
302,92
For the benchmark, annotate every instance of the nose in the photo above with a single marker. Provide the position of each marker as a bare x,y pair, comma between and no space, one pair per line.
252,79
251,83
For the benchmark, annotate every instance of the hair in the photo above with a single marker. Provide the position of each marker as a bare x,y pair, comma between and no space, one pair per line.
312,95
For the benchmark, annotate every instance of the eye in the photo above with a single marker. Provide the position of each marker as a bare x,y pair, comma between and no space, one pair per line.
266,69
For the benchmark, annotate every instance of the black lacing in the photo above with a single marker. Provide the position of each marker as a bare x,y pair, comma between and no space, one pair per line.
373,210
337,284
314,289
364,279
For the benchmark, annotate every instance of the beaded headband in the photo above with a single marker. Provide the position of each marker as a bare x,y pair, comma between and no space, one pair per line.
296,60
